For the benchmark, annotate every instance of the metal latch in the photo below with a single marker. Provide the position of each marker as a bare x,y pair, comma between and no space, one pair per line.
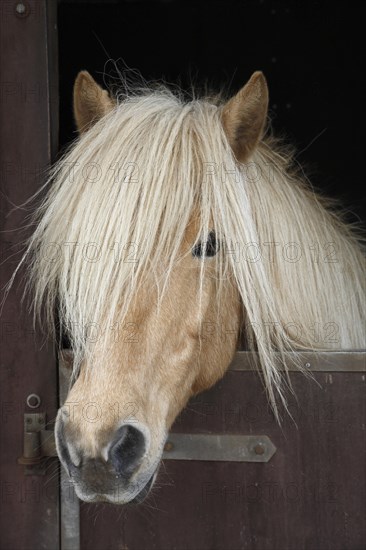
39,444
223,448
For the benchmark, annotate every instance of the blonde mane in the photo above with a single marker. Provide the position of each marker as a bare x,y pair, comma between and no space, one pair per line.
118,205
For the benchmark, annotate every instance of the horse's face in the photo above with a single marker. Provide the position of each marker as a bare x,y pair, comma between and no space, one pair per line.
111,431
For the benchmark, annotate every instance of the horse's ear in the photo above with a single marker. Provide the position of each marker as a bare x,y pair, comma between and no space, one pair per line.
91,102
244,116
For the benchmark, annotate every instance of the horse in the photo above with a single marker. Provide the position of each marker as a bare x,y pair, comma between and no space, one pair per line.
172,229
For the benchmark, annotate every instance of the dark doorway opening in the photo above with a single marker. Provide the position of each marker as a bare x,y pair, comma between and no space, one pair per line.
310,53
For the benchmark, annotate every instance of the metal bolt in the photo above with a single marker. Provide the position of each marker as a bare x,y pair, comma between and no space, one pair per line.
22,9
259,449
33,401
168,446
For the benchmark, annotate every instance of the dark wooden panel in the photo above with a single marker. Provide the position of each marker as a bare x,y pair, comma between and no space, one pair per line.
321,361
28,109
310,496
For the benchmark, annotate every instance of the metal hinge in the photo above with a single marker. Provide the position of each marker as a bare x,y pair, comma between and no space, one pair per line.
39,444
215,447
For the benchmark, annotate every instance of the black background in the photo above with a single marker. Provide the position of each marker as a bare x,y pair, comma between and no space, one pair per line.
310,52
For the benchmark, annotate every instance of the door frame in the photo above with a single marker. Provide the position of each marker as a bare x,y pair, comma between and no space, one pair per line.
29,134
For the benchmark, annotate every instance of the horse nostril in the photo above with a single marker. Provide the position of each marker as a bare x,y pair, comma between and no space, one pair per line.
127,450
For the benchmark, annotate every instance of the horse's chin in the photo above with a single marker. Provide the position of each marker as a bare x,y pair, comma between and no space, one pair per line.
140,497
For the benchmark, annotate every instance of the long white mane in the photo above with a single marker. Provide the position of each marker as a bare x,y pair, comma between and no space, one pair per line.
119,202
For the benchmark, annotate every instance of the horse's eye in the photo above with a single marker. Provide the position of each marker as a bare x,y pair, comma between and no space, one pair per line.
207,248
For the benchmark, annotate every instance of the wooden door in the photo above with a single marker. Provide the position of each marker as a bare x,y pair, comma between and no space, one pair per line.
309,496
28,134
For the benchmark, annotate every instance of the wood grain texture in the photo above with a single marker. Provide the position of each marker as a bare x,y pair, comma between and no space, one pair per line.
28,112
309,496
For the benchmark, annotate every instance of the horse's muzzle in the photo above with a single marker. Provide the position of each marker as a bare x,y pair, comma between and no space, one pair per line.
114,474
